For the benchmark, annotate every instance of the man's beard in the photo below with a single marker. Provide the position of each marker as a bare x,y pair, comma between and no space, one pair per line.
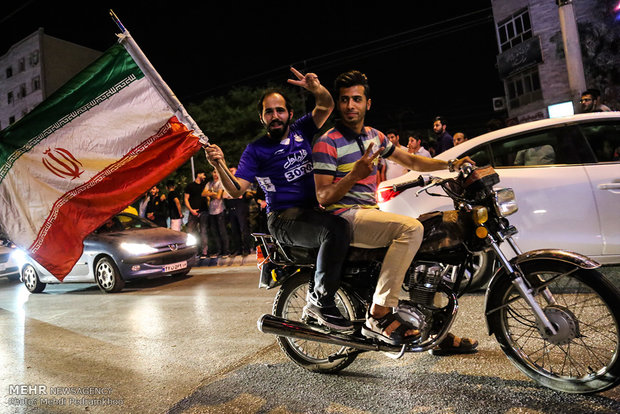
277,134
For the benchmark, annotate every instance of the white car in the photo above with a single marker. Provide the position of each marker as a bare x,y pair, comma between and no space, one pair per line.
565,173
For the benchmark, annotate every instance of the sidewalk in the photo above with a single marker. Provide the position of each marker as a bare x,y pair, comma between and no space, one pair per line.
244,263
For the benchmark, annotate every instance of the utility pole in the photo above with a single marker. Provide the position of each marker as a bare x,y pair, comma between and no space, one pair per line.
572,49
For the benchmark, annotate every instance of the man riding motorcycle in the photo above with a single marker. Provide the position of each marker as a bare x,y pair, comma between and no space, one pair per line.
281,163
345,178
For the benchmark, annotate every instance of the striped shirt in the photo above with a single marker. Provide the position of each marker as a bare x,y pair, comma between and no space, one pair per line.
336,152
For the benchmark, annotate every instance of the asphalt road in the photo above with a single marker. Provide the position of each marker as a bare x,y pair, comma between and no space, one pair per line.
190,345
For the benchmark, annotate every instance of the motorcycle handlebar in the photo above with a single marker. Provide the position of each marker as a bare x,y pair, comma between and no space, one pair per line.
419,182
423,181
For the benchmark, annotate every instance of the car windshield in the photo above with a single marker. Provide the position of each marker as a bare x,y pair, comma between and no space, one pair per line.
124,221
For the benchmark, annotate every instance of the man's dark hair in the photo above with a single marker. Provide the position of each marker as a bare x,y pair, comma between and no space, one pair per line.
170,184
592,91
441,119
352,78
392,131
268,92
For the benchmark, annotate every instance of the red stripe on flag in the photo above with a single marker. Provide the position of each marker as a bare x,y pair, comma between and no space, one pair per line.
78,213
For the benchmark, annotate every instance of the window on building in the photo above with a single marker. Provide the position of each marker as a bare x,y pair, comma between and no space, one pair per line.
9,72
21,65
9,98
514,30
36,83
22,91
523,88
34,58
11,120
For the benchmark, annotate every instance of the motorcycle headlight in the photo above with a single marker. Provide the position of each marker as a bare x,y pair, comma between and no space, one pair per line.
138,249
505,202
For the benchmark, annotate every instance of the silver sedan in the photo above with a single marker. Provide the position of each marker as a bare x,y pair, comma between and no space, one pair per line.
126,247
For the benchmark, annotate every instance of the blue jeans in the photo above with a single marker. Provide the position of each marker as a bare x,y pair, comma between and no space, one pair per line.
315,229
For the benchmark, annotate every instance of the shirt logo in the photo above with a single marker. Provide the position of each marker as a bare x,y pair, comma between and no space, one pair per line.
62,163
296,158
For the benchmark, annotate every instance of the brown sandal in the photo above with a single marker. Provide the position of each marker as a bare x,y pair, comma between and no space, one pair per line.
447,347
375,328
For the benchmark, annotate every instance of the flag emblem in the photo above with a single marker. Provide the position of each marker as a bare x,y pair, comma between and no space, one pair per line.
62,163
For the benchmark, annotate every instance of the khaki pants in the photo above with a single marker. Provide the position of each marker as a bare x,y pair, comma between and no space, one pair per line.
374,228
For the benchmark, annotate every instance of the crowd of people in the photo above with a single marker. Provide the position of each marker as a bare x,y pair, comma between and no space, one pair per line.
202,207
416,143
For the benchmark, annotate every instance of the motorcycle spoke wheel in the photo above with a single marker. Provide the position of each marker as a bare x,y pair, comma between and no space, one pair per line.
583,355
314,356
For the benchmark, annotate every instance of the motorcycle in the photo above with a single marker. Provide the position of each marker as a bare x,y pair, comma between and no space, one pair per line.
554,315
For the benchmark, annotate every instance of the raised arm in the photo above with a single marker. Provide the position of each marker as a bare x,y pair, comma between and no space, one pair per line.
324,103
423,164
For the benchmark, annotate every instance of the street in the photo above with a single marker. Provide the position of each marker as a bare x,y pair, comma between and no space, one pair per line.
190,345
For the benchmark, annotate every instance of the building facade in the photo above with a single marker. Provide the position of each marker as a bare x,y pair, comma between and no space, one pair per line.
33,69
532,63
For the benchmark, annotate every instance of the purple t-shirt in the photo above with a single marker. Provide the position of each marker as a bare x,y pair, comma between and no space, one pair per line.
283,169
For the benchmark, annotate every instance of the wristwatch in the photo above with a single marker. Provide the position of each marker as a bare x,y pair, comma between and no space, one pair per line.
451,164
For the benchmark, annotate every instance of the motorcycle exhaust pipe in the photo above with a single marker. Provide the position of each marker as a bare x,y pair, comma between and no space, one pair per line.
275,325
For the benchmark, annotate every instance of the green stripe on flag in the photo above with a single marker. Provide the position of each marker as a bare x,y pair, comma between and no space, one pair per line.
109,74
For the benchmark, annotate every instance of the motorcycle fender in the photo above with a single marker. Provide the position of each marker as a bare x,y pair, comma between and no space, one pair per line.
576,259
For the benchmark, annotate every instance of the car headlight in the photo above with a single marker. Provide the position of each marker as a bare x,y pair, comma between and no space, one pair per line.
19,257
505,202
191,240
138,249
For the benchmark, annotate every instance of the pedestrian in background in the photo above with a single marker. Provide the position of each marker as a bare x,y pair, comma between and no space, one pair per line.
217,217
198,215
157,208
444,140
415,145
459,138
393,169
175,209
238,212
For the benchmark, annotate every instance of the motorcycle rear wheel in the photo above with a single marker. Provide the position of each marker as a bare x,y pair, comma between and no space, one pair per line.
584,356
313,356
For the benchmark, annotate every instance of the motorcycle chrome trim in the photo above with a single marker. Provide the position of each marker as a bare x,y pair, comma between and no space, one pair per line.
576,259
275,325
545,326
513,245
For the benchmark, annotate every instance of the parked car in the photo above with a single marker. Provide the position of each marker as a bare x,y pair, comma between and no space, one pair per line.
126,247
565,173
8,265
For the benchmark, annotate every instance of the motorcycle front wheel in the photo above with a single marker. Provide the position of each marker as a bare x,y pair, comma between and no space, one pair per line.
583,356
313,356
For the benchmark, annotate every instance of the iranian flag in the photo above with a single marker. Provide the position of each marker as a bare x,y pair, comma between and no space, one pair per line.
87,152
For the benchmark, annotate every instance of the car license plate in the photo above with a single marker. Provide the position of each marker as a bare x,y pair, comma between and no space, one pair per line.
175,266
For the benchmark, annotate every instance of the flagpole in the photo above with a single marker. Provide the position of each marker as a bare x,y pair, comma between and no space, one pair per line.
145,65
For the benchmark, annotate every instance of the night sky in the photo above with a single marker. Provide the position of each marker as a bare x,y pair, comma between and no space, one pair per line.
421,60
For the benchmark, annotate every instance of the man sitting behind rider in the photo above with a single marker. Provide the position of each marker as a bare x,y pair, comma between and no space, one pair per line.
345,162
281,162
